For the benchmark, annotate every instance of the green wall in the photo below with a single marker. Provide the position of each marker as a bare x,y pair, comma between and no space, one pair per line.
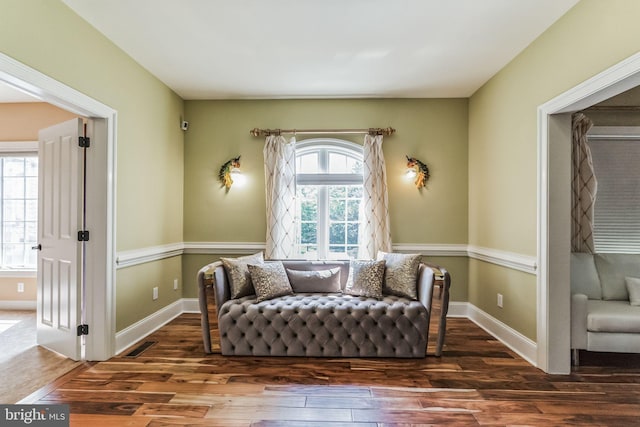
49,37
590,38
433,130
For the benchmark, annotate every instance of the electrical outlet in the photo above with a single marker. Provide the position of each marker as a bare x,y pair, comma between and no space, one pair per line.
500,300
20,287
155,293
175,284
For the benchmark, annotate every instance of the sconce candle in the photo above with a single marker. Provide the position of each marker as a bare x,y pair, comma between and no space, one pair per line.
419,170
228,171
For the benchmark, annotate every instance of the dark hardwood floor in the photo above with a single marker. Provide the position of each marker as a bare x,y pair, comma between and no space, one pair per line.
477,381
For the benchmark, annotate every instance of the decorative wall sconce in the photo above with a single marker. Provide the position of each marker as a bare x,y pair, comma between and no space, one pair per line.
418,170
230,172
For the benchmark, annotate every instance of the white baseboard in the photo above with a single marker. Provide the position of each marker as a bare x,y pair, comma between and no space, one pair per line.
136,332
523,346
190,305
18,305
458,309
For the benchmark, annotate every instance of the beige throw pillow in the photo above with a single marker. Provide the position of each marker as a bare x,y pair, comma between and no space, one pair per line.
238,274
365,278
633,286
401,274
269,280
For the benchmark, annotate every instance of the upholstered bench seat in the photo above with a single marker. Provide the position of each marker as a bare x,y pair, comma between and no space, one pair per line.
325,325
613,316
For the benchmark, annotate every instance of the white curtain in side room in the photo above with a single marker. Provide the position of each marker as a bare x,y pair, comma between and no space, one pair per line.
584,186
375,232
280,181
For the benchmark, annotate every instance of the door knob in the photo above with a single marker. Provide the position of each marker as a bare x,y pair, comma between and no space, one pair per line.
39,247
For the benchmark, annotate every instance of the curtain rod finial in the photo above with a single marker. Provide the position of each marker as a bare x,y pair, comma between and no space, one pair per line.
255,132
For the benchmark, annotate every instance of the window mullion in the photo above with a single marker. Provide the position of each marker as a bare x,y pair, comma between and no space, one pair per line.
323,218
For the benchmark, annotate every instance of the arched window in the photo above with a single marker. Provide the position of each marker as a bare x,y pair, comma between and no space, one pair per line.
329,196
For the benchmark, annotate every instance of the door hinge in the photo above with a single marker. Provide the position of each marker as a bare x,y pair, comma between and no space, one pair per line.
83,330
83,236
84,141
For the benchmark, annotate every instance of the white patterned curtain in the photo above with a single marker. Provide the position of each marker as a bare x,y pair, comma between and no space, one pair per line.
280,180
375,232
584,186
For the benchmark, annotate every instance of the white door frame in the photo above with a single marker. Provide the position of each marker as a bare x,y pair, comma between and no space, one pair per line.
553,340
100,296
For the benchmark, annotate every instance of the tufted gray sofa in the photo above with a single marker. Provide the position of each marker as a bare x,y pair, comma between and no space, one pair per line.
320,324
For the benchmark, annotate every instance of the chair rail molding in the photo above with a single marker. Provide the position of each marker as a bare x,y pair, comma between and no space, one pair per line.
151,253
130,258
223,248
432,249
515,261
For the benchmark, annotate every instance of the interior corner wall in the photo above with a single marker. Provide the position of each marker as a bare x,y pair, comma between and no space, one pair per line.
433,130
590,38
49,37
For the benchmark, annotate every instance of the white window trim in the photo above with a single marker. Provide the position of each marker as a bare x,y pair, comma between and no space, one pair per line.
17,148
18,273
328,179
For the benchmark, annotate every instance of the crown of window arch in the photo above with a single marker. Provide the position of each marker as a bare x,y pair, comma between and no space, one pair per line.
329,160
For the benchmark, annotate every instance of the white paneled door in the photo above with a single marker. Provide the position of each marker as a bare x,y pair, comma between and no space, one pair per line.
59,220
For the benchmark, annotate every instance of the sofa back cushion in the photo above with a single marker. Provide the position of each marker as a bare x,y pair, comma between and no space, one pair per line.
612,269
584,276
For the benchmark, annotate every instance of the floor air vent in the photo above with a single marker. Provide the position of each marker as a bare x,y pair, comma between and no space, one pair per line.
139,349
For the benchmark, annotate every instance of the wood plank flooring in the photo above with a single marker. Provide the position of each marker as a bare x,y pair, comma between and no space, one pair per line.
20,358
477,381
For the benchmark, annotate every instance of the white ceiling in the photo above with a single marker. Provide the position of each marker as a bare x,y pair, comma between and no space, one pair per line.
218,49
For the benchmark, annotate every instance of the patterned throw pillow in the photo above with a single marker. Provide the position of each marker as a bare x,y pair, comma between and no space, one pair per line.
365,278
315,281
238,274
401,274
269,280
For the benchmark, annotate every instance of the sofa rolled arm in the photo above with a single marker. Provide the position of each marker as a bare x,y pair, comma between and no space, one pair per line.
202,301
579,321
426,282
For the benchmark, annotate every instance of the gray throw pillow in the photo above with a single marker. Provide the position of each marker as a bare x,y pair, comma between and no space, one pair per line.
401,274
238,274
269,280
365,278
315,281
633,286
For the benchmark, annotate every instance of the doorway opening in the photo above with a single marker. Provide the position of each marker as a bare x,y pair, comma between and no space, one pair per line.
554,164
100,260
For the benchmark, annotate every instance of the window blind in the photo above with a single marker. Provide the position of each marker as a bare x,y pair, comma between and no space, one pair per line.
616,163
